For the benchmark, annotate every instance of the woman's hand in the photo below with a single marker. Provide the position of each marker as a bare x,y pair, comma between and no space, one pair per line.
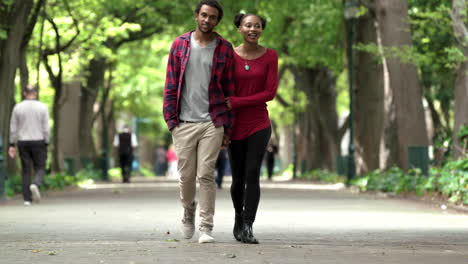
228,102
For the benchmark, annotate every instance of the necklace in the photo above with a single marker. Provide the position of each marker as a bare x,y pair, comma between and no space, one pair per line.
246,66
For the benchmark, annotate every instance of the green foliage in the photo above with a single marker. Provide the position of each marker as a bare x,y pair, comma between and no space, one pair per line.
53,182
450,180
3,34
393,180
323,176
59,181
13,185
146,172
463,133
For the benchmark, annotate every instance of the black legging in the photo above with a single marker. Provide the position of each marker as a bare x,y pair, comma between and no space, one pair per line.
246,160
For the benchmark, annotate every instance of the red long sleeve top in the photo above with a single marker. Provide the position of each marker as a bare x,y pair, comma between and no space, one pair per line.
254,87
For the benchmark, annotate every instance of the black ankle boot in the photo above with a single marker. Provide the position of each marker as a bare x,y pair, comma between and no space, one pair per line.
238,224
247,234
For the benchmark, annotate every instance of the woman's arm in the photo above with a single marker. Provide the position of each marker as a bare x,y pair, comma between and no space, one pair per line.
271,86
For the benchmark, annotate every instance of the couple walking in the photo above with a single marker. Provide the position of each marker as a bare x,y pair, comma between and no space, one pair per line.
215,96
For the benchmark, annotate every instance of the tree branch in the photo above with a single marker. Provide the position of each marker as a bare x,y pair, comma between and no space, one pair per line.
59,49
32,22
133,36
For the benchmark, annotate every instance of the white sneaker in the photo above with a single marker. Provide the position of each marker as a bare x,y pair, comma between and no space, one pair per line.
27,203
205,237
35,192
188,222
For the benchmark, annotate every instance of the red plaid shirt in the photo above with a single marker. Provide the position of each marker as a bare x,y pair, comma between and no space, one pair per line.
221,84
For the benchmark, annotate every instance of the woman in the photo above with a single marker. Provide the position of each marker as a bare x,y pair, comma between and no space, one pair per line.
256,75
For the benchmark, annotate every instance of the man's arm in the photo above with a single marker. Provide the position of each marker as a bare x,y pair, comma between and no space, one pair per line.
171,88
228,84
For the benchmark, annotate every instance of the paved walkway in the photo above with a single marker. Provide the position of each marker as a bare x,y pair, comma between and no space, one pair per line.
297,223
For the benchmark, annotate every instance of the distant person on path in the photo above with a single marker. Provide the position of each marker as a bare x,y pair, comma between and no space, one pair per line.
171,156
271,151
125,142
256,74
199,79
160,166
29,128
221,167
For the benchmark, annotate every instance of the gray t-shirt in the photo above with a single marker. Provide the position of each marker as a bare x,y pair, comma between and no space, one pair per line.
195,103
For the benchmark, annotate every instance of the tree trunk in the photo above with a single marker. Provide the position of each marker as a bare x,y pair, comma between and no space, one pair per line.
409,113
15,20
23,67
461,107
57,155
369,103
89,92
285,146
461,81
322,127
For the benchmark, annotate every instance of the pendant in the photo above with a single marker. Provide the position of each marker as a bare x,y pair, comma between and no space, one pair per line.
246,67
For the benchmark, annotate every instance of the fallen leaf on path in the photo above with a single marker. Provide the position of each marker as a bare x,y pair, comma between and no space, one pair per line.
52,253
35,251
229,255
172,240
294,246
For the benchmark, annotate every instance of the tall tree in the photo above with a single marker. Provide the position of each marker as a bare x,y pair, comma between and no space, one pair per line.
56,79
320,119
403,77
369,104
459,16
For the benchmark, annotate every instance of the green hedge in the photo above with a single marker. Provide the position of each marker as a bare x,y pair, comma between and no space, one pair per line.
450,180
57,182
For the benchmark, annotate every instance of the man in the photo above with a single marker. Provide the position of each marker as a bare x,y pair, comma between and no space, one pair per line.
125,141
160,166
29,128
199,78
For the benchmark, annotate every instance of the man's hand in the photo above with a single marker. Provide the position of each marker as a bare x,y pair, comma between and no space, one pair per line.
226,141
12,152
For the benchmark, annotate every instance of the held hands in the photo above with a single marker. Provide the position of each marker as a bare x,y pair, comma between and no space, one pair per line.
226,142
228,102
12,152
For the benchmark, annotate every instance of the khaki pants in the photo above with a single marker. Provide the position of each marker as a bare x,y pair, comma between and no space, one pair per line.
197,146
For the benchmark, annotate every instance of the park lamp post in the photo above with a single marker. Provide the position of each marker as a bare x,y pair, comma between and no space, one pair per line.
351,12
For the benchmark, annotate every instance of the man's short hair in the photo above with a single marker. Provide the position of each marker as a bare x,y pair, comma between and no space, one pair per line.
29,89
212,3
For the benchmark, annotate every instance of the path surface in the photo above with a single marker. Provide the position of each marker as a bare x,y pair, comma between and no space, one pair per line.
297,223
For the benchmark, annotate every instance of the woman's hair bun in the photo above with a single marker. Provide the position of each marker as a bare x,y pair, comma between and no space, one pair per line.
238,19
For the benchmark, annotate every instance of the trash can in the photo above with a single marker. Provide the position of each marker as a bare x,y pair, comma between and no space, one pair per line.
418,157
70,166
342,165
86,163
